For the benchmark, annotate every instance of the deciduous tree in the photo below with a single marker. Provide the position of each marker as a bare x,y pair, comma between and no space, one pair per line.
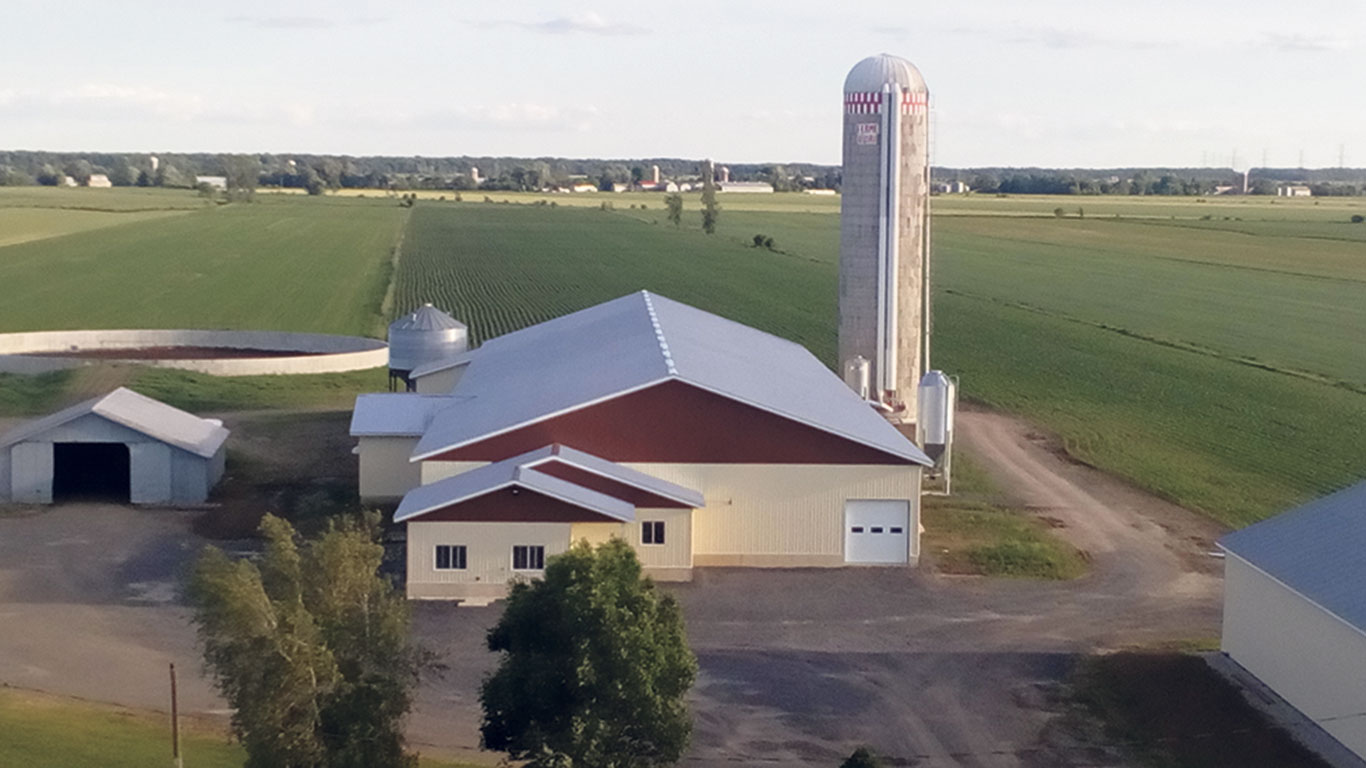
711,210
674,204
595,667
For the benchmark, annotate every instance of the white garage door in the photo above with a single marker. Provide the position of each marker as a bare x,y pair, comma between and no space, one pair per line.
876,531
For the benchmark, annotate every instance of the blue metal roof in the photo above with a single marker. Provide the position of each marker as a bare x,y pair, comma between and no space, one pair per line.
637,341
1318,550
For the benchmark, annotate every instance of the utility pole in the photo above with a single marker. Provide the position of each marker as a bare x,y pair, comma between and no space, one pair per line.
176,759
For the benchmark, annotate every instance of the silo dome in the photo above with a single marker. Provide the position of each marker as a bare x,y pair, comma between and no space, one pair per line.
427,335
869,75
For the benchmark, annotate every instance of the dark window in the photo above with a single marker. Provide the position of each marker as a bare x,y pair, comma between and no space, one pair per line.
896,530
652,532
878,529
528,558
857,529
450,557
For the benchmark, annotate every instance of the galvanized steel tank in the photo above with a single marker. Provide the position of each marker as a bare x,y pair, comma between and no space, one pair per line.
884,228
428,335
935,422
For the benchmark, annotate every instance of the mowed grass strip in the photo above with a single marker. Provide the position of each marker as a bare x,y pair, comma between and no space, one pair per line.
23,225
44,731
296,265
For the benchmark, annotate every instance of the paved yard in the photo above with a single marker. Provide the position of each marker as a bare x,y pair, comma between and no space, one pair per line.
798,667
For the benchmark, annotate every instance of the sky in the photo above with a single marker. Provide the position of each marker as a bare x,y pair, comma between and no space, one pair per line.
1053,83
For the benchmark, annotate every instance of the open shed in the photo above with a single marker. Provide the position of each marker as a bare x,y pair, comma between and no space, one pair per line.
123,447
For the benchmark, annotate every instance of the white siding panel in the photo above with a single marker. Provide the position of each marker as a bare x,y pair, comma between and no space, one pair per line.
31,469
385,471
488,550
440,470
675,552
150,473
1311,658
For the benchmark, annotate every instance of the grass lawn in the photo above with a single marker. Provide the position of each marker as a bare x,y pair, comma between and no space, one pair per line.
43,731
973,532
1171,710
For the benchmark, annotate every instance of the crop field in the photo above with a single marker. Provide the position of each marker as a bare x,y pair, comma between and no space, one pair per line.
1218,363
280,264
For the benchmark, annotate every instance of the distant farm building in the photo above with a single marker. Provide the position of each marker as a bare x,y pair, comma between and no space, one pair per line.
99,180
697,440
745,186
217,182
584,188
1294,190
1295,609
826,192
122,447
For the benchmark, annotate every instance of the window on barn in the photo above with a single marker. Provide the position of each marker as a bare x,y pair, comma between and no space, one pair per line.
652,532
528,558
450,557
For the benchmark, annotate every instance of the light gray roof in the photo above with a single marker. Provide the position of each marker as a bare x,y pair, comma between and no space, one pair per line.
869,75
426,318
396,414
634,342
1318,550
506,474
614,471
140,413
463,358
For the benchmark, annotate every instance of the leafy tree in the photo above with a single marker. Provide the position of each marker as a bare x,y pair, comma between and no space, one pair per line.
862,758
122,174
144,179
9,177
637,175
711,210
80,170
310,648
1358,218
595,667
242,174
674,203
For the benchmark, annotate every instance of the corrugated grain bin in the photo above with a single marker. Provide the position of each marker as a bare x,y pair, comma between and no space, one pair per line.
425,336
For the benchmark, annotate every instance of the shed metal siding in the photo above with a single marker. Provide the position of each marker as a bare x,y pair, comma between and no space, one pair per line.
31,468
1312,658
150,473
192,476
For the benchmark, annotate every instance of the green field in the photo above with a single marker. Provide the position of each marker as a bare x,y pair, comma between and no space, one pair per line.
42,731
1210,351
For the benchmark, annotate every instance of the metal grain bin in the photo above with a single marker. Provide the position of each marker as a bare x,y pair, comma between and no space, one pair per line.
425,336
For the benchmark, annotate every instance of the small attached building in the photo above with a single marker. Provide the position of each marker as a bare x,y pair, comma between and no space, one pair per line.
122,447
700,441
1295,610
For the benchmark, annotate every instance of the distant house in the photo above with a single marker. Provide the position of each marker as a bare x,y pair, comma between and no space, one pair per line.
1295,609
745,186
99,180
67,181
658,186
820,191
217,182
620,187
584,188
1294,190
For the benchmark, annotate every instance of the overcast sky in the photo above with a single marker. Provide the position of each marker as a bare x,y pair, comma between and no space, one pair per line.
1089,83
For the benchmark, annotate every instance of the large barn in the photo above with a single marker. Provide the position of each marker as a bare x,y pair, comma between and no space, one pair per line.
698,440
122,447
1295,610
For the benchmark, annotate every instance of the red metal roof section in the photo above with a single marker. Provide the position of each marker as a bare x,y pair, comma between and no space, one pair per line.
513,505
594,482
675,422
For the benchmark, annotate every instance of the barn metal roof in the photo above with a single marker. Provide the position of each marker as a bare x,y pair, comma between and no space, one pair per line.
396,414
1318,550
637,341
139,413
613,471
463,358
426,318
506,474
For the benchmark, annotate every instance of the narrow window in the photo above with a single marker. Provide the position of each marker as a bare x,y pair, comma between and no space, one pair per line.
876,529
450,557
857,529
896,530
528,558
652,532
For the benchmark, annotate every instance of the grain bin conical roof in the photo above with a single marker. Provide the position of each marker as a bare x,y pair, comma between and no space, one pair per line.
426,318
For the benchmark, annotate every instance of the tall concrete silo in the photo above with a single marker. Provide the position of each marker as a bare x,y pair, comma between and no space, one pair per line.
885,229
427,335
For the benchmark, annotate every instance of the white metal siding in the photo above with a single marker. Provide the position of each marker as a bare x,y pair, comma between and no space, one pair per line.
675,552
31,468
385,470
1313,659
440,382
149,467
488,551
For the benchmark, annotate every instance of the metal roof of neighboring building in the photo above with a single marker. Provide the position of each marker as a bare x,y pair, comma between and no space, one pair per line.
396,414
463,358
426,318
634,342
869,75
1318,550
505,474
140,413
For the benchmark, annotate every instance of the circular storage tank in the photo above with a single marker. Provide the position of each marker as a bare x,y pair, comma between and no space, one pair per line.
936,408
425,336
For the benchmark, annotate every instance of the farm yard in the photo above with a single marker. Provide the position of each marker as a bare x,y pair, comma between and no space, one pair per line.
1208,351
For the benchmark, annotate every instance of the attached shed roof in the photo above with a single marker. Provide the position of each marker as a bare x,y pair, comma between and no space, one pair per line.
140,413
463,358
396,414
612,471
639,340
1318,550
